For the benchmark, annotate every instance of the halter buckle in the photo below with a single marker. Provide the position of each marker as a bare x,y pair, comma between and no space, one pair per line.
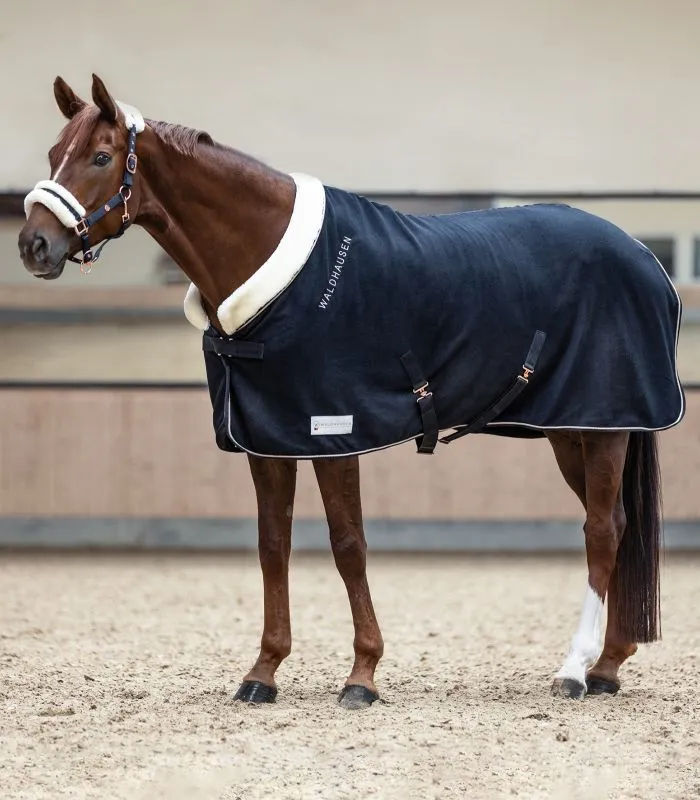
125,192
81,228
132,161
87,260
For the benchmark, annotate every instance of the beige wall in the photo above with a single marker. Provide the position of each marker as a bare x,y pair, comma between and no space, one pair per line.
151,453
447,95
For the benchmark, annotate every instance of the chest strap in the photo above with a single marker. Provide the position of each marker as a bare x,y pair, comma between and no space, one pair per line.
233,348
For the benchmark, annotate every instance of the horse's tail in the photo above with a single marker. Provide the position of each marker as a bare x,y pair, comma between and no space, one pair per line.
637,564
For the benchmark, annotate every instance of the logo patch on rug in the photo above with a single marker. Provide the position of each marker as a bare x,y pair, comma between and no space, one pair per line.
323,426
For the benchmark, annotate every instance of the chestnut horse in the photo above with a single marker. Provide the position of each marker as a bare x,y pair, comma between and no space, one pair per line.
220,215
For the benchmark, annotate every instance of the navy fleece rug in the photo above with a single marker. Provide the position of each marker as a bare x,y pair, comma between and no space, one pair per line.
319,372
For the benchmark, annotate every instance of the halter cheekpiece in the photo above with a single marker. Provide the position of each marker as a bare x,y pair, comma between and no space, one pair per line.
60,200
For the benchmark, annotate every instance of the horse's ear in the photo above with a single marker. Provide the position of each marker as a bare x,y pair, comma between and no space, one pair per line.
104,100
67,100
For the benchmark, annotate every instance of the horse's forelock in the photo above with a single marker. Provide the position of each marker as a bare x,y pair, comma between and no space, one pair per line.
76,135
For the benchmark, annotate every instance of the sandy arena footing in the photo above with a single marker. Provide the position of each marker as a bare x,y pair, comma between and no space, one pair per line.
117,673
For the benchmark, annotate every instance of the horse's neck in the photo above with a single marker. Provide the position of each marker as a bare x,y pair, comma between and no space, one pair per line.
217,214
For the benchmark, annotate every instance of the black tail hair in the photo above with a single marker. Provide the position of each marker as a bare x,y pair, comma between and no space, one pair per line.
637,564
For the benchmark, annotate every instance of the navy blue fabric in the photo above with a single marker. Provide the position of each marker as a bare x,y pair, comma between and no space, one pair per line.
465,293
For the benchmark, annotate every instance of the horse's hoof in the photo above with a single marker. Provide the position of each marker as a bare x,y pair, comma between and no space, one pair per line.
568,688
355,696
601,685
255,692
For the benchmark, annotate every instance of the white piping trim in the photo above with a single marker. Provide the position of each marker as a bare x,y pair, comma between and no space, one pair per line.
280,269
678,326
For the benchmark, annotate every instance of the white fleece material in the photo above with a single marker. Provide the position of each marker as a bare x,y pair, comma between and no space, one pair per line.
278,271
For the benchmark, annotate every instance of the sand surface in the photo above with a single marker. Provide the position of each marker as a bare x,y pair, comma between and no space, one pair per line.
116,676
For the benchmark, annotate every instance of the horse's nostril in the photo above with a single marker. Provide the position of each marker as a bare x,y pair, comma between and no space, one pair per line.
40,248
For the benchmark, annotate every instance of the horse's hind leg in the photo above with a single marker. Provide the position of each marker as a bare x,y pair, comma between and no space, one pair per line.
602,678
275,484
596,477
339,482
633,591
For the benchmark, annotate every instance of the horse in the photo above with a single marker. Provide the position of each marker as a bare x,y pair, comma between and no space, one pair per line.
224,217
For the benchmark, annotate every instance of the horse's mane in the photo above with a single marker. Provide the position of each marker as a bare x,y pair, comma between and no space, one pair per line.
182,139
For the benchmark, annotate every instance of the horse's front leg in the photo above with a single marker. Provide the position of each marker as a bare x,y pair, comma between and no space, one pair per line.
339,482
275,484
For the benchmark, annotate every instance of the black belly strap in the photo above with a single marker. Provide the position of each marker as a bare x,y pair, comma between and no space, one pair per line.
520,382
426,404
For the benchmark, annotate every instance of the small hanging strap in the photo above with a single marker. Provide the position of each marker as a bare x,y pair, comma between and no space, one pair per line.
424,397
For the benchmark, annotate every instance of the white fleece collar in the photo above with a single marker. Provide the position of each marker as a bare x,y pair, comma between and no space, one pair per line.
278,271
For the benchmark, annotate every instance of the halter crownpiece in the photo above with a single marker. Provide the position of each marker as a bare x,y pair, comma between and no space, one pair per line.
66,207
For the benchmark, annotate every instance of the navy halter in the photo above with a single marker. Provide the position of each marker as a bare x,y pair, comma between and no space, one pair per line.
122,197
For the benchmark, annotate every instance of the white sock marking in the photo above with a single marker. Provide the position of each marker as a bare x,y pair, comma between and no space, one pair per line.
586,642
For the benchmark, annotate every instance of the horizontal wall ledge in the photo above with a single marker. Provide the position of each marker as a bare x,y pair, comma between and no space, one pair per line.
148,534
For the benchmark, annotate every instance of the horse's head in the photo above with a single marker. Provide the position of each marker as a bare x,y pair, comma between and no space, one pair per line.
89,197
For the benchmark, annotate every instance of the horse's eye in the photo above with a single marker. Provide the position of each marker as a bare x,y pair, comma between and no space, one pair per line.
102,159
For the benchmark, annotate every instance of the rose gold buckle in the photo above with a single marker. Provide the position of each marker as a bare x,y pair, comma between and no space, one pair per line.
132,161
126,196
526,372
87,261
421,391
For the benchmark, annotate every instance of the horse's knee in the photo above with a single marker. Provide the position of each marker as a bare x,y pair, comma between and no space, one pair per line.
349,549
273,551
